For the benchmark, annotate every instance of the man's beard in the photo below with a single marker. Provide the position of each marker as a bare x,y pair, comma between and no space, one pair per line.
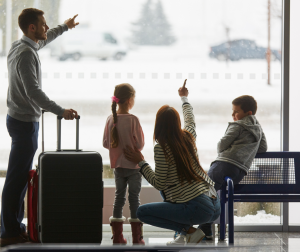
40,36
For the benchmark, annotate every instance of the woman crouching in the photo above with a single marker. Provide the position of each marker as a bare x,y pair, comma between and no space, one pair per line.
188,193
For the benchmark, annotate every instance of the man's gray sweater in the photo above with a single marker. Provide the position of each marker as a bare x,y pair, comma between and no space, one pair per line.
25,96
242,140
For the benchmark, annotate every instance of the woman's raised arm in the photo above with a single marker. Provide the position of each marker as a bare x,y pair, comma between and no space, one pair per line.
189,119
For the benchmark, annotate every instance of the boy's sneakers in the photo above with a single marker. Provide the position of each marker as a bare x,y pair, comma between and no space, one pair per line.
180,240
195,237
206,228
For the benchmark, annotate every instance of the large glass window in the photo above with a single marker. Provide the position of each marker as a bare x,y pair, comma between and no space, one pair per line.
220,46
294,100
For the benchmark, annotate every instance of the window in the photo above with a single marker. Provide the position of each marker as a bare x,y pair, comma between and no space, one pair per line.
155,45
294,103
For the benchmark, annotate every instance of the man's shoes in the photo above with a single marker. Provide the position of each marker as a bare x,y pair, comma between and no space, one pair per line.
12,240
195,237
180,240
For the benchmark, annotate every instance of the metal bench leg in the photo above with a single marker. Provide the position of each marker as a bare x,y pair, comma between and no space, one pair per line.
222,215
230,210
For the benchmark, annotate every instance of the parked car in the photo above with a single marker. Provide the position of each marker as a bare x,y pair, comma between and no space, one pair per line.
241,49
87,42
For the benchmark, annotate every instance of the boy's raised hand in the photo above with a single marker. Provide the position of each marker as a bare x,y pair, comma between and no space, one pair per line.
183,91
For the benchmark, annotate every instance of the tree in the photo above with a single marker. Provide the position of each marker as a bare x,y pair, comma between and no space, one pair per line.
162,27
143,33
152,28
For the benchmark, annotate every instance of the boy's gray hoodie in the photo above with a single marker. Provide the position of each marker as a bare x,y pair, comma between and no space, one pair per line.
242,140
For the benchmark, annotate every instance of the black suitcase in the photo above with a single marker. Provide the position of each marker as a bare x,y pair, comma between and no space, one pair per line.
70,198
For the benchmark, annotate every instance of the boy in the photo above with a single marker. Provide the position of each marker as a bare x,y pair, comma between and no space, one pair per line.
237,148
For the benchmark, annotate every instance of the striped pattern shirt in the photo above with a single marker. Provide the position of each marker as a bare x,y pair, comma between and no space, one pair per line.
165,177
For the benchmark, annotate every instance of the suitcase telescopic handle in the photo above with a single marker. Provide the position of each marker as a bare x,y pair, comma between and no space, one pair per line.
59,132
43,145
59,118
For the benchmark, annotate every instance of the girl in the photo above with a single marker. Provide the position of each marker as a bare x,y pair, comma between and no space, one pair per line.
123,129
188,192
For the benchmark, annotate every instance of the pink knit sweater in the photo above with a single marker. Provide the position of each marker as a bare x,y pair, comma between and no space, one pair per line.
130,133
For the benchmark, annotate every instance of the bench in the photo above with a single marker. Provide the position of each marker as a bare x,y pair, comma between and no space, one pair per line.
273,177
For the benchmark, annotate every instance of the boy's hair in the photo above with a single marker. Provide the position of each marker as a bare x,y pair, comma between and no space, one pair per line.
247,103
123,92
27,17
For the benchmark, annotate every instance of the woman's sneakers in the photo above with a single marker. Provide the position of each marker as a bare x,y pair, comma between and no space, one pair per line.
179,240
195,238
188,239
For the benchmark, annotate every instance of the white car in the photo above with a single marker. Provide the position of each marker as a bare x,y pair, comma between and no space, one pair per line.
85,42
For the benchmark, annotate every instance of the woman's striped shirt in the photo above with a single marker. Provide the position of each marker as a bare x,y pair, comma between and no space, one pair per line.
165,177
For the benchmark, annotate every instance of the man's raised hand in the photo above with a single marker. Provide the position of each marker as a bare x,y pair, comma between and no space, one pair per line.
71,22
183,91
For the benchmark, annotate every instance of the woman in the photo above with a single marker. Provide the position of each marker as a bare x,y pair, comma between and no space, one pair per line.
189,194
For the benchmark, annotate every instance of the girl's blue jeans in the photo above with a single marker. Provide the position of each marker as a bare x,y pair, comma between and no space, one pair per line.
180,217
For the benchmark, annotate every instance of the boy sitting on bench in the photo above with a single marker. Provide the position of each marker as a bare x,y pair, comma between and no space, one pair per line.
237,148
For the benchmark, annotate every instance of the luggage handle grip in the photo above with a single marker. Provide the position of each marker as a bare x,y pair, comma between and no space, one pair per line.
59,118
43,144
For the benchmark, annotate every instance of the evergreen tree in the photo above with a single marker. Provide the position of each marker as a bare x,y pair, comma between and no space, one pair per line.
153,27
143,32
163,34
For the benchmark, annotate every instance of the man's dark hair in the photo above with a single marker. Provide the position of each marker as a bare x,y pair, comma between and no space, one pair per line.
247,103
27,17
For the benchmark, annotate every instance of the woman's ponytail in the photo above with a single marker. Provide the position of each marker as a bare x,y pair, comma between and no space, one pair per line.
114,132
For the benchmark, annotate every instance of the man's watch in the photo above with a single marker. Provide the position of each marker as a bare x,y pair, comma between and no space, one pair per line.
141,163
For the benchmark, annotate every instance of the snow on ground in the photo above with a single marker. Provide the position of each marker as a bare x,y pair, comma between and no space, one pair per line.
260,217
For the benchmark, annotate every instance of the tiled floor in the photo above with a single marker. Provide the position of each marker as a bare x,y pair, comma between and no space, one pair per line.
244,242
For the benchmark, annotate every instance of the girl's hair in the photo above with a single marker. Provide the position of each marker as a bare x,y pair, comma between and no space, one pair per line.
178,145
123,92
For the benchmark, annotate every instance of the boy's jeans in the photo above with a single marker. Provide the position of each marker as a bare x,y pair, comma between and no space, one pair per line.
219,170
180,217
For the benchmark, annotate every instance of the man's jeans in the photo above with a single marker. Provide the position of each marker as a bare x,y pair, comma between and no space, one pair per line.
24,144
180,217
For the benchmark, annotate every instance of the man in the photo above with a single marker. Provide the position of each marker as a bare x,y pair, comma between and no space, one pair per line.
24,100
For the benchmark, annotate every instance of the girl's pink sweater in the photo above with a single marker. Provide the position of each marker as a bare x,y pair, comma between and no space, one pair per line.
130,133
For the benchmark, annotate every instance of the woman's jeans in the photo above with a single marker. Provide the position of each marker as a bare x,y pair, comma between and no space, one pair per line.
180,217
